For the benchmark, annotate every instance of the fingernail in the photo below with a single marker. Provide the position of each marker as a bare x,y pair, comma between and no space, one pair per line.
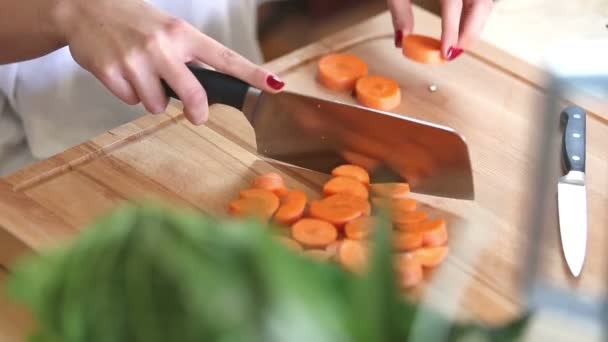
398,38
453,53
274,82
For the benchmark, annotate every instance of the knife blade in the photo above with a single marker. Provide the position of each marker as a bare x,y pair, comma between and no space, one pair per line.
572,191
317,134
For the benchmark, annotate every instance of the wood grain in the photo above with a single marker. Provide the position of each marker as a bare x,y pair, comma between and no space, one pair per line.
494,100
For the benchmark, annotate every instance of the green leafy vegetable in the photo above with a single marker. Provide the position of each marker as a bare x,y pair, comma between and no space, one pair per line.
150,273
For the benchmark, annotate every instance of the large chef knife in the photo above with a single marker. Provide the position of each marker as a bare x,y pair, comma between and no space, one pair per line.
571,190
319,134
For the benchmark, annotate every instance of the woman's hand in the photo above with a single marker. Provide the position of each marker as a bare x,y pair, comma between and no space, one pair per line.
462,23
130,46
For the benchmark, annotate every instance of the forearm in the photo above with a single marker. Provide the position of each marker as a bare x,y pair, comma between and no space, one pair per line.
27,29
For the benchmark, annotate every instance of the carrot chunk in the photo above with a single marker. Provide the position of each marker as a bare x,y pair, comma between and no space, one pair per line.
292,207
341,71
359,228
378,93
428,256
346,185
353,255
423,49
403,241
390,190
434,231
270,181
397,204
255,202
405,218
314,232
340,208
353,171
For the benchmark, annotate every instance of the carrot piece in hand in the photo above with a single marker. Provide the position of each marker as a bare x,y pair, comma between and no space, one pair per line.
292,208
314,232
346,185
423,49
434,232
378,93
255,202
353,255
359,228
428,256
405,241
390,190
353,171
341,71
403,219
270,181
409,272
340,208
368,163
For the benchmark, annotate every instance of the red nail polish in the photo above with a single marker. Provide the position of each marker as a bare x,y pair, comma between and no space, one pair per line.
398,38
274,82
453,53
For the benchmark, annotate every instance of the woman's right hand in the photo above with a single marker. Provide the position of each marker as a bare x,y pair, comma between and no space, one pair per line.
129,45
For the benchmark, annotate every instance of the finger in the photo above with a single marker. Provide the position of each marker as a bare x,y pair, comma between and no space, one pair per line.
189,90
450,22
474,18
227,61
147,85
118,85
403,18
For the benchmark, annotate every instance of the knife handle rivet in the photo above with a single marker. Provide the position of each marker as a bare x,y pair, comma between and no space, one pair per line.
576,158
576,135
577,116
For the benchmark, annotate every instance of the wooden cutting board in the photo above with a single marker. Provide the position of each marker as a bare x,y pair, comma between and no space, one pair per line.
491,98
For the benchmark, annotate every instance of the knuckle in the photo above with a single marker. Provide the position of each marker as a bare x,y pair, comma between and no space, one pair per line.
227,59
194,96
175,27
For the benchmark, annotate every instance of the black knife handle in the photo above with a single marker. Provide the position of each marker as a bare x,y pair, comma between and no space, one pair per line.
574,118
220,88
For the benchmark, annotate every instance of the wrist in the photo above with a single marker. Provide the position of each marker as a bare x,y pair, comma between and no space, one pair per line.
56,19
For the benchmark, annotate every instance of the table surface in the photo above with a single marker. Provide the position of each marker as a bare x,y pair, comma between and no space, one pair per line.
52,200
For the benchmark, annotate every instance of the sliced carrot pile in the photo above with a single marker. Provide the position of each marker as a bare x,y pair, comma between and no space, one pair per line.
346,185
340,208
423,49
428,256
314,232
341,71
434,232
270,181
352,171
397,204
403,219
378,92
260,203
353,255
289,243
292,208
368,163
390,190
404,241
359,228
409,272
318,254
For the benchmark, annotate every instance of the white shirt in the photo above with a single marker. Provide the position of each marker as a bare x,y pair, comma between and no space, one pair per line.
50,104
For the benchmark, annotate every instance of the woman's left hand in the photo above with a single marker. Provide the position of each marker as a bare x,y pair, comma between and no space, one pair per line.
462,22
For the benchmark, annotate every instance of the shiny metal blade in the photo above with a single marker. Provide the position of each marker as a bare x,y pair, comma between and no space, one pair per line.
572,203
319,134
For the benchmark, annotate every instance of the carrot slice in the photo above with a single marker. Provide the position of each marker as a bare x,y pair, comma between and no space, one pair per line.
403,219
353,255
368,163
428,256
359,228
434,231
353,171
423,49
318,254
292,208
405,241
390,190
289,243
314,232
341,71
397,204
270,181
333,248
409,272
340,208
378,93
346,185
255,202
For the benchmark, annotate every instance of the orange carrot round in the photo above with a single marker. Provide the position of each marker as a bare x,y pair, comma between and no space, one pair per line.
352,171
347,185
353,255
270,181
409,272
255,202
390,190
314,232
428,256
292,208
340,208
341,71
397,204
289,243
378,93
403,241
434,231
423,49
359,228
403,219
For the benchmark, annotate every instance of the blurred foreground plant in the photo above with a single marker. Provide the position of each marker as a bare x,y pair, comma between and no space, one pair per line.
149,273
